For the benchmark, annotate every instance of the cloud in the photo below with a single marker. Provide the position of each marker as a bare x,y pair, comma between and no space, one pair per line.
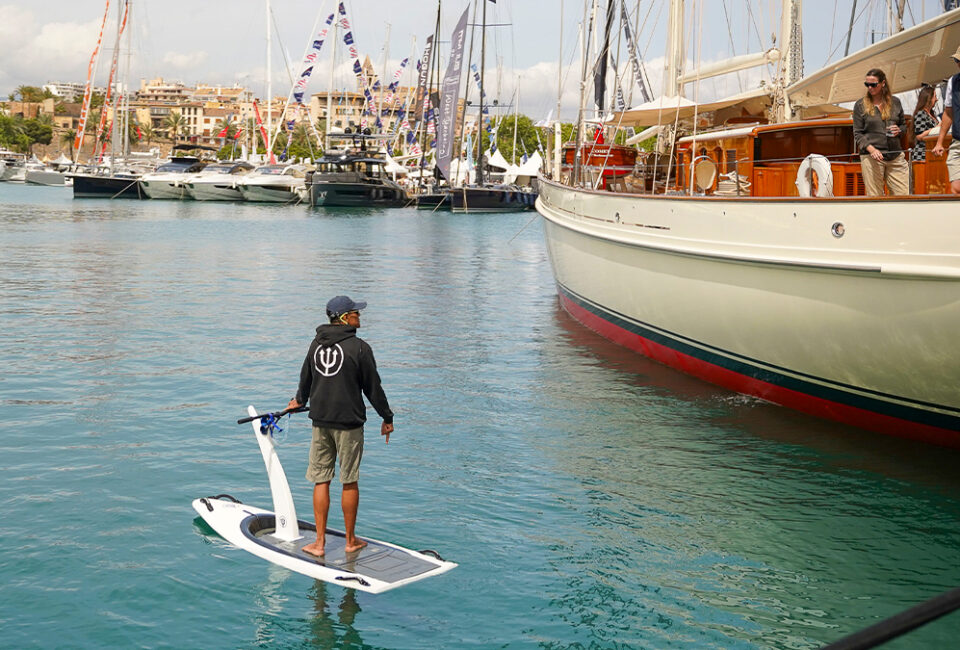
184,61
35,54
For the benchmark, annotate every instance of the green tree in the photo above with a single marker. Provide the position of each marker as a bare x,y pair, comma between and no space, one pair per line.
174,123
38,132
67,138
526,137
30,94
222,124
148,133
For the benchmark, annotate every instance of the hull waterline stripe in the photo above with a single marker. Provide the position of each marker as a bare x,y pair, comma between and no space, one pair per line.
740,375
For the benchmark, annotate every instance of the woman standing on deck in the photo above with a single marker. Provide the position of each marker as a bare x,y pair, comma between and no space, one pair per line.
924,121
877,123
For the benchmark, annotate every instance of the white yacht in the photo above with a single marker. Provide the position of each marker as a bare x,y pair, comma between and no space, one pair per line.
167,181
38,173
13,168
218,182
274,184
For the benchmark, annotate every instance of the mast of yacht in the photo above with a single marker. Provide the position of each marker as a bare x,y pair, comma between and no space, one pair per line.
481,157
126,95
333,64
585,32
791,60
672,83
269,90
116,104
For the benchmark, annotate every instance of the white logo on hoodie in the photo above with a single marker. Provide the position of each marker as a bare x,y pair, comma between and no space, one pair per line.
328,360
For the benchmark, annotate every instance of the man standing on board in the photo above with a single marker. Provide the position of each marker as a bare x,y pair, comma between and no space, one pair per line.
951,124
339,367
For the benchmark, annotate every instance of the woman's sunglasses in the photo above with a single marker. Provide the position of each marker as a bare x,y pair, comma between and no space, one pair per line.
870,85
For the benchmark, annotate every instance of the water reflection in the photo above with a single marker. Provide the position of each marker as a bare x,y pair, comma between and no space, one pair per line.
750,523
329,629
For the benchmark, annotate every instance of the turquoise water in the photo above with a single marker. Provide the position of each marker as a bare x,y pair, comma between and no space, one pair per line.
592,499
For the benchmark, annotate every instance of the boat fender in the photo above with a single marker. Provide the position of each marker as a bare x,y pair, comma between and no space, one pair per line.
815,163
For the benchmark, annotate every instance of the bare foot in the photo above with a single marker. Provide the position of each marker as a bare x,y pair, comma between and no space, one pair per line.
356,546
315,549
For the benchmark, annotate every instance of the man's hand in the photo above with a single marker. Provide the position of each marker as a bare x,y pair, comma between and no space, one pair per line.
938,149
294,404
386,430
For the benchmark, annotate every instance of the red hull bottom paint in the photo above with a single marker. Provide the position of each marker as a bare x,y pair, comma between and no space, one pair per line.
798,401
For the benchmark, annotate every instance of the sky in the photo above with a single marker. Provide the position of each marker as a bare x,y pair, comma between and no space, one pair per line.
224,41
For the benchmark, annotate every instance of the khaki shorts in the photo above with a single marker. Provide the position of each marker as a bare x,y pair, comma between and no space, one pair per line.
953,161
329,443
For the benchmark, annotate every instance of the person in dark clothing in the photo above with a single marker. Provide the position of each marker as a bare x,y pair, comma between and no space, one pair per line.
338,370
877,122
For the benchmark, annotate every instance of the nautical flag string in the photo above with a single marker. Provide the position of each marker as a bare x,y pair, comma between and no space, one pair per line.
355,55
310,60
483,95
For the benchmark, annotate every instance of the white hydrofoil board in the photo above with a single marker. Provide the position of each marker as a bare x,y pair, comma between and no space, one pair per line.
377,567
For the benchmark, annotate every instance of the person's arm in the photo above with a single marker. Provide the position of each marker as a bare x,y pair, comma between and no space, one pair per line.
306,381
945,126
370,383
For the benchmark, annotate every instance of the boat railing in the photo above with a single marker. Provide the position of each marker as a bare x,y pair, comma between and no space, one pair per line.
744,175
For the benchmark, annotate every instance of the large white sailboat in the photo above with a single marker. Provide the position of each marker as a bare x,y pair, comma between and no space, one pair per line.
708,259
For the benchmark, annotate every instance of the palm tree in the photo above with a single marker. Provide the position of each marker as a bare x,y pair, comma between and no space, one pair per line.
174,123
225,124
67,138
147,131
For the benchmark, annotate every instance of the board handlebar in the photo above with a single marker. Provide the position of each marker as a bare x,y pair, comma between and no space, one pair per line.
276,414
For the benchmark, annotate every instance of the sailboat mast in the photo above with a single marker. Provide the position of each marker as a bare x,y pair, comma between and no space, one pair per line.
269,88
791,61
126,96
675,50
481,158
116,105
333,64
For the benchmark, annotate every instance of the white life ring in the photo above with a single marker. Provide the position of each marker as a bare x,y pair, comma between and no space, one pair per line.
819,164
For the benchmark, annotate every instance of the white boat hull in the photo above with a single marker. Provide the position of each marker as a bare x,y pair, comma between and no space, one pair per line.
270,193
164,188
224,190
761,297
43,177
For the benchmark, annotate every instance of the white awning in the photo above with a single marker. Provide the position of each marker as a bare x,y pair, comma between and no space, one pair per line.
921,54
664,110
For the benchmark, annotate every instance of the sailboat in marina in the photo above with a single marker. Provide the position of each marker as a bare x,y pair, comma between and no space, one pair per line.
723,256
117,176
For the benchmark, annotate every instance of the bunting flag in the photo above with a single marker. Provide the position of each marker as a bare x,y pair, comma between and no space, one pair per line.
396,76
85,107
423,67
223,132
450,92
483,95
299,88
139,133
355,55
237,134
263,131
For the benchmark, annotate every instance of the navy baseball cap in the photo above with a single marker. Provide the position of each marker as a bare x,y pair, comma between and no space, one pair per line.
343,304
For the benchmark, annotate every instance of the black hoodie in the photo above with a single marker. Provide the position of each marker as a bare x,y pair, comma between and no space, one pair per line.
337,368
